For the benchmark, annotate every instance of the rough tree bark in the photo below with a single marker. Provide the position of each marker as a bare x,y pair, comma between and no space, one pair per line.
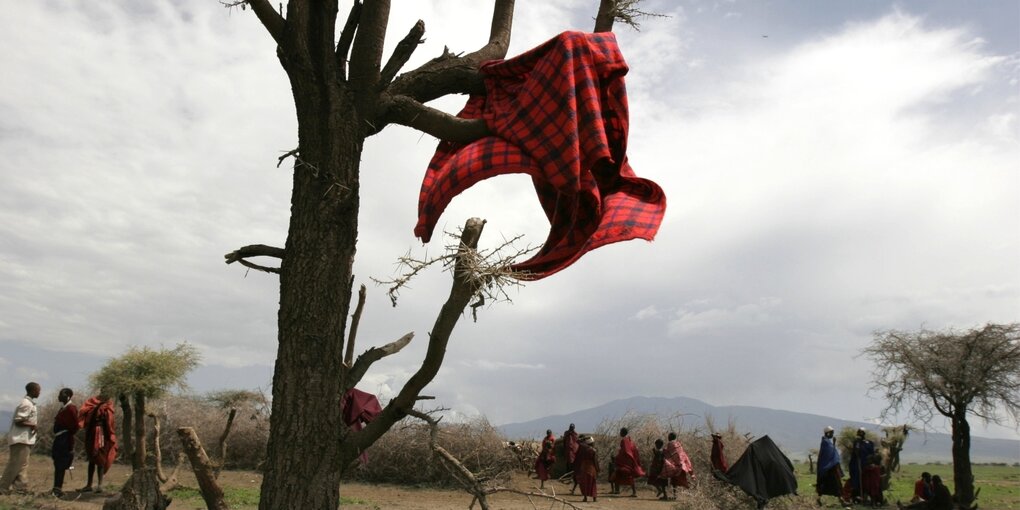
127,426
157,453
138,455
343,94
963,477
140,492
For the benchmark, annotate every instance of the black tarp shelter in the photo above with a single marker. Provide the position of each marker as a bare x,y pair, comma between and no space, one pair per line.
763,472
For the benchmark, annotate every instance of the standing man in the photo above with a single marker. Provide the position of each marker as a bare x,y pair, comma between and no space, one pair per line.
655,470
628,464
829,475
96,416
677,465
546,458
586,469
570,446
23,435
65,424
862,450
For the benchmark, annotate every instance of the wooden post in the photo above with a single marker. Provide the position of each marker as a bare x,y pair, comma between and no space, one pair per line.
211,491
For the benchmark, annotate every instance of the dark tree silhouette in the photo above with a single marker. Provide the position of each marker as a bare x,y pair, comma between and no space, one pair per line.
343,93
951,373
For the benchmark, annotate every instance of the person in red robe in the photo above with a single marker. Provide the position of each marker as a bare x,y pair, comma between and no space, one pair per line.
655,470
871,481
96,417
546,458
586,469
65,425
718,457
570,446
677,465
627,463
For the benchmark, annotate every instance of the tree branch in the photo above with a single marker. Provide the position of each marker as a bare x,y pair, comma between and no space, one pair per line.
223,444
406,111
606,16
405,48
463,474
264,11
343,46
450,74
464,287
255,250
355,320
372,355
366,55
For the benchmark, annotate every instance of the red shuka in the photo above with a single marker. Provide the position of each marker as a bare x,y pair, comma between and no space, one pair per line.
546,458
718,457
628,463
559,114
676,464
570,445
586,470
96,417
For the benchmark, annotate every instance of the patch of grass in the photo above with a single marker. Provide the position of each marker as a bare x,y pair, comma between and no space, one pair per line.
999,484
236,497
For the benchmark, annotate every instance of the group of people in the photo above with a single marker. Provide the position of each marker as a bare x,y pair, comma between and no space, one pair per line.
581,457
670,466
95,418
866,473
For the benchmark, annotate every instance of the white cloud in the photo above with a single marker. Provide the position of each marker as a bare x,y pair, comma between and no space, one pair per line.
850,181
719,321
484,364
646,313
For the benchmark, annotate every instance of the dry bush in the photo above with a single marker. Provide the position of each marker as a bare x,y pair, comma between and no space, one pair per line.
403,455
246,444
706,492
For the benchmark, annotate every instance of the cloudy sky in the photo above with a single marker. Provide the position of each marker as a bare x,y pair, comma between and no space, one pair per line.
832,169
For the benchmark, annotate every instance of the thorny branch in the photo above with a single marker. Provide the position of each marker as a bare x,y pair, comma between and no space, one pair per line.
491,269
624,11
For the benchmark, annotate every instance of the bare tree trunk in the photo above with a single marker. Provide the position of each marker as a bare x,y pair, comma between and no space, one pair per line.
315,293
140,492
223,444
127,432
963,477
138,458
211,491
156,451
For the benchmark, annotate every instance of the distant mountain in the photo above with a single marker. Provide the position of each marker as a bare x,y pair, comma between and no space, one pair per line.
795,433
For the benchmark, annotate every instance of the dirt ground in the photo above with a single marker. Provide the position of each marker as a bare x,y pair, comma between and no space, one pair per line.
363,496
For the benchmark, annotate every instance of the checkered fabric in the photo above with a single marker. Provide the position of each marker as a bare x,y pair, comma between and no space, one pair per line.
559,114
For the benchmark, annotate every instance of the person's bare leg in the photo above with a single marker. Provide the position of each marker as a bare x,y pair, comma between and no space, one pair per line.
88,482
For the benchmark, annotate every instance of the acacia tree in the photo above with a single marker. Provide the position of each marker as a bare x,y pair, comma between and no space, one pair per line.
138,375
951,373
343,93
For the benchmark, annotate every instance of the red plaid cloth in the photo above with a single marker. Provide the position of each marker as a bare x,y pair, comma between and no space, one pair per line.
559,114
